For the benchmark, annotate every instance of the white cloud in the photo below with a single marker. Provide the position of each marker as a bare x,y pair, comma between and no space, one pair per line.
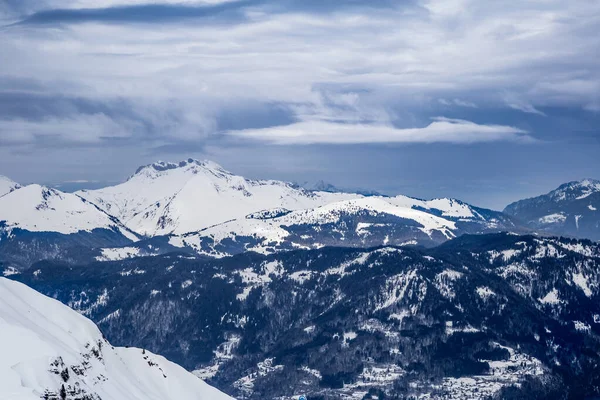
525,107
442,130
457,102
513,101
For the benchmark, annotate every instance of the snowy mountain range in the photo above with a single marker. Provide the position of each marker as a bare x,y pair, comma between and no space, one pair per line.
48,351
176,198
197,206
191,196
573,209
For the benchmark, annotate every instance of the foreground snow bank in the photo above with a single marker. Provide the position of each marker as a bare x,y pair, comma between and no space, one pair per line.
49,351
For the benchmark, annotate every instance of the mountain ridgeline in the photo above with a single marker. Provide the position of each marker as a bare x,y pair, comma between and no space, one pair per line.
200,208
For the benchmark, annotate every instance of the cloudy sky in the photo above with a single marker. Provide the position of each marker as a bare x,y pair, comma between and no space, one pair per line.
482,100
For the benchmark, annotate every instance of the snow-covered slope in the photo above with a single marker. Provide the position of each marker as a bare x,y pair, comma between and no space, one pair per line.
363,222
37,208
46,348
7,185
164,198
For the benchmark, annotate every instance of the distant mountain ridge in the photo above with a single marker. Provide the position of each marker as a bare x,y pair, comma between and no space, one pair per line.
322,186
362,222
174,181
198,206
573,209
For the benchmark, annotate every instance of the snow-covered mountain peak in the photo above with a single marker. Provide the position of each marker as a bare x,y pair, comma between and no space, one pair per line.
7,185
164,198
50,351
171,177
190,166
590,182
34,196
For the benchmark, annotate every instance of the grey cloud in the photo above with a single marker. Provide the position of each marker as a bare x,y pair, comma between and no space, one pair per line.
39,105
145,13
254,115
16,8
46,120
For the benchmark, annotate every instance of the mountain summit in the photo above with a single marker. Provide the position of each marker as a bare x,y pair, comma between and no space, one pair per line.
165,198
161,166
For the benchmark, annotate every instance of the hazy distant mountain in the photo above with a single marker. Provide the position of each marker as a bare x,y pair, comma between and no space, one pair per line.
573,209
197,206
48,351
322,186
